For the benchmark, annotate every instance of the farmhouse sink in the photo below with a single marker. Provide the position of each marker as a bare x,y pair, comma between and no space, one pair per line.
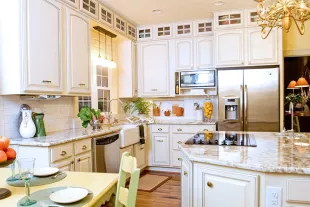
129,135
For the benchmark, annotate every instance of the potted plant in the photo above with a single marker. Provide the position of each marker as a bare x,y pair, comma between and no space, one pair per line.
139,105
90,116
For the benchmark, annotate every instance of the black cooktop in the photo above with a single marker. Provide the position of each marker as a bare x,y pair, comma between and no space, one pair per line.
223,139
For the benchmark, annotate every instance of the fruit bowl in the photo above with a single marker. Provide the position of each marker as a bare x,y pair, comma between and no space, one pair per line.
6,163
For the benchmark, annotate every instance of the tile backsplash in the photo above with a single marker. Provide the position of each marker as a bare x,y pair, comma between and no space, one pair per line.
58,114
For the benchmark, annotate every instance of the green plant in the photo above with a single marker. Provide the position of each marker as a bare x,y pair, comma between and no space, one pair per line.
87,114
140,105
294,98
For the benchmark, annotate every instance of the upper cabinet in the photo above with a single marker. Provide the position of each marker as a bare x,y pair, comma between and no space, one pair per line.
261,51
229,48
105,15
145,33
251,17
74,3
153,60
89,7
204,52
131,31
183,29
119,24
228,19
184,54
203,27
78,53
43,46
163,31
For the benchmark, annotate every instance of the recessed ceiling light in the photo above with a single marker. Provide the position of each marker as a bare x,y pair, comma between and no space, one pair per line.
156,11
219,3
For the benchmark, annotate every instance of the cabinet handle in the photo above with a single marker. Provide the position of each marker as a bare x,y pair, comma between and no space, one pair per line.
63,153
179,142
46,81
79,160
160,129
179,130
209,184
160,140
72,163
84,147
154,89
185,173
242,63
180,159
82,84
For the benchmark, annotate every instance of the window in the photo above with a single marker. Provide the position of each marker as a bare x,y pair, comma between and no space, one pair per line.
103,90
84,100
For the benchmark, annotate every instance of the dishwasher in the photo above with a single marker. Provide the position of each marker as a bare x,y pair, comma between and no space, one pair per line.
106,153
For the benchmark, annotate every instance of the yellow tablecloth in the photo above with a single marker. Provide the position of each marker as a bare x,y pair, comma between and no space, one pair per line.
101,184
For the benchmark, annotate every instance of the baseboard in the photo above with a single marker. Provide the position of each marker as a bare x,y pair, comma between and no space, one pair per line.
164,169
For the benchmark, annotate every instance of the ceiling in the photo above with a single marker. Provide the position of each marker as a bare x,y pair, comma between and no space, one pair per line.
139,12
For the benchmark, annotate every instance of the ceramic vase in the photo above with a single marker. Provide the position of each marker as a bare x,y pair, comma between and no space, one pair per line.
27,128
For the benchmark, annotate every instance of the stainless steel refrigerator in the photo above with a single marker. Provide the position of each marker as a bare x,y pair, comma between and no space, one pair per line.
257,91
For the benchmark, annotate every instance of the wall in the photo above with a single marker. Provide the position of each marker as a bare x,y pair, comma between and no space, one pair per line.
58,114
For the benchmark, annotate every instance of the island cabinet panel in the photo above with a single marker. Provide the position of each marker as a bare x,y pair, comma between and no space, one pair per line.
161,149
238,189
186,182
66,165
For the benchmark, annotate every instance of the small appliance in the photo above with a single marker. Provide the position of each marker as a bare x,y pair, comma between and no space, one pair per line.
198,79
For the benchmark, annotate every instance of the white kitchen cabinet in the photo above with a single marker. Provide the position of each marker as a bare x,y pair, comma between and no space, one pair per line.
89,7
120,24
239,189
161,149
261,51
184,54
105,15
186,183
163,31
131,31
203,27
182,29
74,3
127,149
78,53
153,60
228,19
139,154
127,74
145,33
66,165
251,17
204,54
229,47
43,59
83,163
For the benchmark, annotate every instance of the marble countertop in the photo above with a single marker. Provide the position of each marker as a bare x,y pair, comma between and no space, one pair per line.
273,154
56,138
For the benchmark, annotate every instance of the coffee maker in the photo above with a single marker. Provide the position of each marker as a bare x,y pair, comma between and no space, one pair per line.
231,104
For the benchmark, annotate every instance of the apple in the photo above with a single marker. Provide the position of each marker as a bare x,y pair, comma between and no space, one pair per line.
3,156
10,153
4,143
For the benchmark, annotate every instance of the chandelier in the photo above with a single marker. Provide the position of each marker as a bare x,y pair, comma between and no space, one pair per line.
281,14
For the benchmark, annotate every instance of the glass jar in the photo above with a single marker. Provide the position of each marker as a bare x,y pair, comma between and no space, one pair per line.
208,109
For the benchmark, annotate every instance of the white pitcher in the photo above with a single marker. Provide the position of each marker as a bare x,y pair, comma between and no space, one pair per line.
27,128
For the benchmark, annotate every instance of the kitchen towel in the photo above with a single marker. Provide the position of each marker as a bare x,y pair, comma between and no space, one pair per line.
142,138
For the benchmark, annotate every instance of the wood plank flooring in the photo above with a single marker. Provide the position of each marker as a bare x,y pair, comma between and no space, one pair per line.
167,195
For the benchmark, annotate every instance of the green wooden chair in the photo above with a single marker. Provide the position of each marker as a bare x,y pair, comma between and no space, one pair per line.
127,196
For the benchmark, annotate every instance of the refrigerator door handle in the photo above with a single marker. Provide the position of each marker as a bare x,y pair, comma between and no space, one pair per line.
241,106
246,108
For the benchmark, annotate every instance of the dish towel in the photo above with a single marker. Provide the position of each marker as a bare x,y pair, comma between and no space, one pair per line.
142,138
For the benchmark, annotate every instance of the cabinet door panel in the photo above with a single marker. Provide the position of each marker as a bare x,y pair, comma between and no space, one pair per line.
83,163
67,165
262,51
43,46
184,54
186,176
139,153
161,149
78,53
154,65
229,48
204,53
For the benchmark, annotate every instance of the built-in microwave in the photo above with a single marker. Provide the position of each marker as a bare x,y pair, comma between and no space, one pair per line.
198,79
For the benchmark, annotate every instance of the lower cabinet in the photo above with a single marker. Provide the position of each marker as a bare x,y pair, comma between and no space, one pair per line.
161,149
66,165
139,153
83,163
217,188
186,183
126,149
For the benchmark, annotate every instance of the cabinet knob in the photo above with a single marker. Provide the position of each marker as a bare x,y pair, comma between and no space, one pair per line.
185,173
179,130
180,159
242,63
82,84
72,163
160,140
154,89
46,81
179,142
84,147
79,160
63,153
160,129
209,184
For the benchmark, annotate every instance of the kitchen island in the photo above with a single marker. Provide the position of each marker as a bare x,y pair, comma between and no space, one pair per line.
276,173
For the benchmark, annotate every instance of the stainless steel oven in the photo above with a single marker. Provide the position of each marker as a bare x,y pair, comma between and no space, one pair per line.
198,79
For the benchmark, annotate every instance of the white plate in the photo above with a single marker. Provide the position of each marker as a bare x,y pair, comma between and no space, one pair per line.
69,195
46,171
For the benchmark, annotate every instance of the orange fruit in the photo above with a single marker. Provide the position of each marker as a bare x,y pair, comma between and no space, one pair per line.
10,153
3,156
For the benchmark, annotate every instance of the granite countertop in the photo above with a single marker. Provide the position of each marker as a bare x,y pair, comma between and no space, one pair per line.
61,137
182,122
273,154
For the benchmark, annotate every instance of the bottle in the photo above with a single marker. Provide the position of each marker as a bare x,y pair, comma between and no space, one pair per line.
177,87
208,109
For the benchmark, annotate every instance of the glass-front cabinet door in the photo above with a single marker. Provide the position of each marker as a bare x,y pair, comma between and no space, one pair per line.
89,7
105,15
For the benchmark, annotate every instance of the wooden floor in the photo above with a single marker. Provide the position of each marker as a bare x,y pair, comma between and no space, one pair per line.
167,195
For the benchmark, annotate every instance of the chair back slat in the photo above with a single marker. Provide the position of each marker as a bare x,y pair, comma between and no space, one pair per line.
129,164
123,195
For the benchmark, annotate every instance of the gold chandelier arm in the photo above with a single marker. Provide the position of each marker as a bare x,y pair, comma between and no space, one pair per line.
301,28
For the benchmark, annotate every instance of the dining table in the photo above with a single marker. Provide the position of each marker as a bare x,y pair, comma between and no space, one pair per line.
102,185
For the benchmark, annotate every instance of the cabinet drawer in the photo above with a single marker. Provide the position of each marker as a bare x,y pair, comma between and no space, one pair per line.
178,139
160,128
192,129
176,158
298,190
61,152
82,146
